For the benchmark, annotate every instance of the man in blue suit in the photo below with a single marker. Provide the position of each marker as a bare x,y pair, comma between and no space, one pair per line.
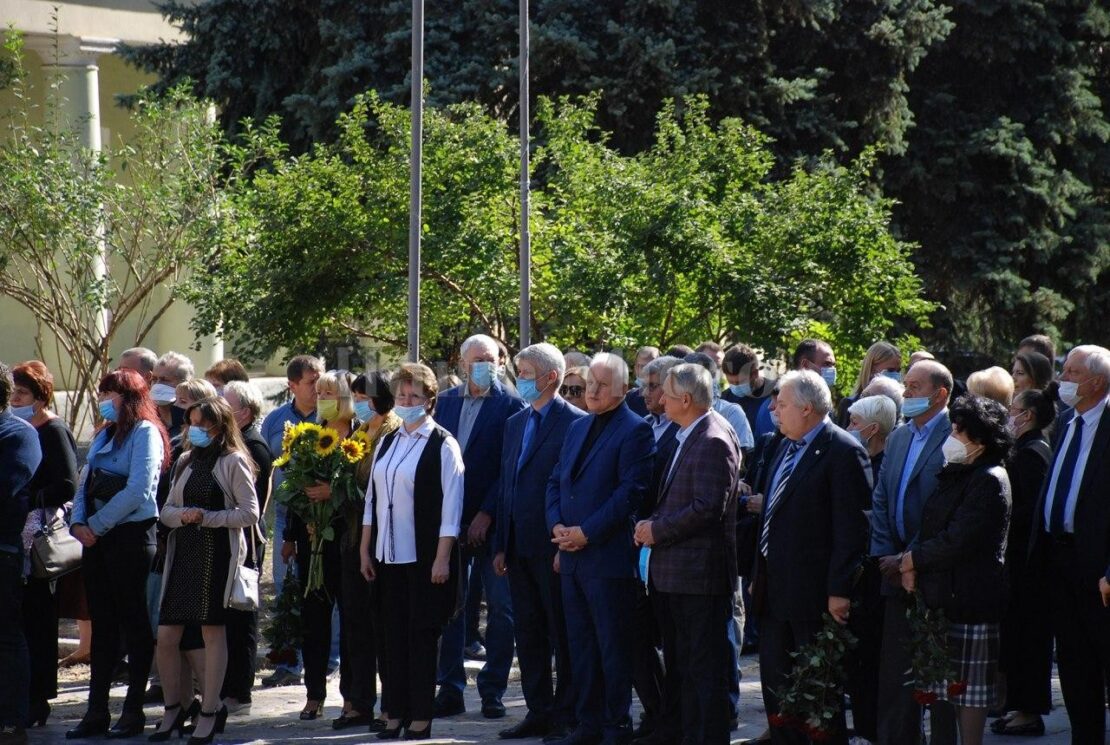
475,413
907,478
603,473
522,544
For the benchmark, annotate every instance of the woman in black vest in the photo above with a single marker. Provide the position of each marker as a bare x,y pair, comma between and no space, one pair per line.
413,506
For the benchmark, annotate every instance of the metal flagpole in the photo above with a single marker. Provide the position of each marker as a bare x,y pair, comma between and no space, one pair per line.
415,167
525,236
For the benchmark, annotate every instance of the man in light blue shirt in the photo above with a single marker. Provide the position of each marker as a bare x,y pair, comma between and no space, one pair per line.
732,413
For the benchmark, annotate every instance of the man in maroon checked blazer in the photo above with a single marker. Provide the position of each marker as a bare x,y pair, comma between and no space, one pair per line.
692,563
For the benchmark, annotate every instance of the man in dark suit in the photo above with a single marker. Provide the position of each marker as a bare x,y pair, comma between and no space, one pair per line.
1071,537
475,413
691,566
907,478
813,534
637,397
522,546
603,472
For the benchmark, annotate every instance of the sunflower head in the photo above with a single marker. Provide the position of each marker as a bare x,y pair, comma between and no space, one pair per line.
361,437
353,450
327,441
282,461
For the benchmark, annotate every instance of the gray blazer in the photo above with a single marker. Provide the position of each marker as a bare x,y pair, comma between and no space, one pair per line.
923,482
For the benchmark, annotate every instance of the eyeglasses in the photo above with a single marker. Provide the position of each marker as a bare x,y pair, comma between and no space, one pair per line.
572,391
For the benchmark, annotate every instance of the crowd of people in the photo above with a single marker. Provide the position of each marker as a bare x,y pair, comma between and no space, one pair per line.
630,530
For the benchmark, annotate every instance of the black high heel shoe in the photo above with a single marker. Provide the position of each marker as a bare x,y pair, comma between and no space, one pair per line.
89,726
178,724
221,719
38,714
308,714
424,734
391,733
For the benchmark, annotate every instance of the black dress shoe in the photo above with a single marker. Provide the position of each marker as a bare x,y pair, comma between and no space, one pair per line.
89,726
530,727
38,713
391,733
378,725
129,724
492,708
448,706
557,731
343,721
577,738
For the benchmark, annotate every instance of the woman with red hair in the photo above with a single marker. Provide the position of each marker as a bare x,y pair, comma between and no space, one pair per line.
114,513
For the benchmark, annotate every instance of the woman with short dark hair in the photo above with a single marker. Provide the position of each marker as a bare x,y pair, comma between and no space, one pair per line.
958,560
114,512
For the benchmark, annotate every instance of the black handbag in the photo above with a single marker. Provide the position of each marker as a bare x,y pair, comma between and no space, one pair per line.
54,552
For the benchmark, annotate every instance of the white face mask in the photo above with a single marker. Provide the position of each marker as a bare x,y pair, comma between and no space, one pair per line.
954,450
1069,392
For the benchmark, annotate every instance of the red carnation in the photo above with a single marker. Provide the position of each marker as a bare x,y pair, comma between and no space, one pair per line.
777,720
924,697
957,689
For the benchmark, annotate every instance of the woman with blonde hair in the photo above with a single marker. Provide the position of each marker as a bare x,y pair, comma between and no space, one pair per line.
210,502
993,383
882,358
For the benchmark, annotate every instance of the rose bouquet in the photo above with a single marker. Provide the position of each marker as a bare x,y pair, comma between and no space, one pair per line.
814,687
312,454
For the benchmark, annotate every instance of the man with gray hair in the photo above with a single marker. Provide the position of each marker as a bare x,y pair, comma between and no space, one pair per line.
813,534
603,472
688,561
1071,538
139,359
523,549
170,370
635,399
475,413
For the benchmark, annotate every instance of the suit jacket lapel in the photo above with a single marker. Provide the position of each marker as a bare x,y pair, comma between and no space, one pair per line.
484,413
547,423
936,439
1098,447
812,454
603,438
686,447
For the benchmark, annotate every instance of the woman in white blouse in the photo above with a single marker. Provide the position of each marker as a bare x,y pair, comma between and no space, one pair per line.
413,506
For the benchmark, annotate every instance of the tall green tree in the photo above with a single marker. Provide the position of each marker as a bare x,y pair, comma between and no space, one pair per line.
1004,183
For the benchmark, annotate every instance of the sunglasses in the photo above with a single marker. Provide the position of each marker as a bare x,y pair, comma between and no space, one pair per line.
572,391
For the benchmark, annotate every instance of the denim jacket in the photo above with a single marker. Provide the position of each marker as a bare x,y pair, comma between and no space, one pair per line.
139,458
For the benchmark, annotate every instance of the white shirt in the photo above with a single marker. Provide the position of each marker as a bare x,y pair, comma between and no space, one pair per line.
394,478
1090,427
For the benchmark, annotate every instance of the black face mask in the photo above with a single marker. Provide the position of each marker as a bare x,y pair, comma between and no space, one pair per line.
177,417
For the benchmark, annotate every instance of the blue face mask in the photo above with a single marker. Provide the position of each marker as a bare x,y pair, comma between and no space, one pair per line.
364,411
24,412
741,389
893,375
858,434
828,374
199,437
915,406
410,414
481,374
108,410
528,390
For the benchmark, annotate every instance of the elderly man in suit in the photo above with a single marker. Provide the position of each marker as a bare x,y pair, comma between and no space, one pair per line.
533,439
907,478
1071,539
813,534
691,566
475,413
604,470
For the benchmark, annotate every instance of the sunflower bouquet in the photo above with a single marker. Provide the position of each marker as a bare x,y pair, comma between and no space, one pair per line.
311,454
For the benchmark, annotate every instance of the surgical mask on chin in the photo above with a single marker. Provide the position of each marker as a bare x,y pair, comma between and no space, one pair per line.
410,414
1069,392
163,394
954,451
327,410
915,406
741,389
25,413
364,411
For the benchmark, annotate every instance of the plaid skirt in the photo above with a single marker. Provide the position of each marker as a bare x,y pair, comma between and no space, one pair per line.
973,648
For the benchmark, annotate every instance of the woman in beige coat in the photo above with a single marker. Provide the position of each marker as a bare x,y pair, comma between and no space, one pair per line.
210,502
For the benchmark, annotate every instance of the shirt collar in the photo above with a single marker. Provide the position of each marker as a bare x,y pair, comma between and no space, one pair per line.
658,420
424,430
683,433
1093,414
927,429
545,408
484,394
808,437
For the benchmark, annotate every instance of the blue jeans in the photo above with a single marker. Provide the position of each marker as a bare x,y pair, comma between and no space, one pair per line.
494,676
735,643
15,661
280,568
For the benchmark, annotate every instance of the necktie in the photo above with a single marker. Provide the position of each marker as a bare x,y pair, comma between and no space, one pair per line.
1063,482
530,430
788,463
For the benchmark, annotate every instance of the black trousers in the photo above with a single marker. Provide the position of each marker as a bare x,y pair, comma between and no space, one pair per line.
899,714
862,665
1082,628
115,571
1026,641
696,654
40,626
777,639
647,668
14,663
411,642
358,657
316,614
539,629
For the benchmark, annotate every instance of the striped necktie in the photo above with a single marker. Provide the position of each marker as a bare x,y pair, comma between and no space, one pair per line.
788,463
